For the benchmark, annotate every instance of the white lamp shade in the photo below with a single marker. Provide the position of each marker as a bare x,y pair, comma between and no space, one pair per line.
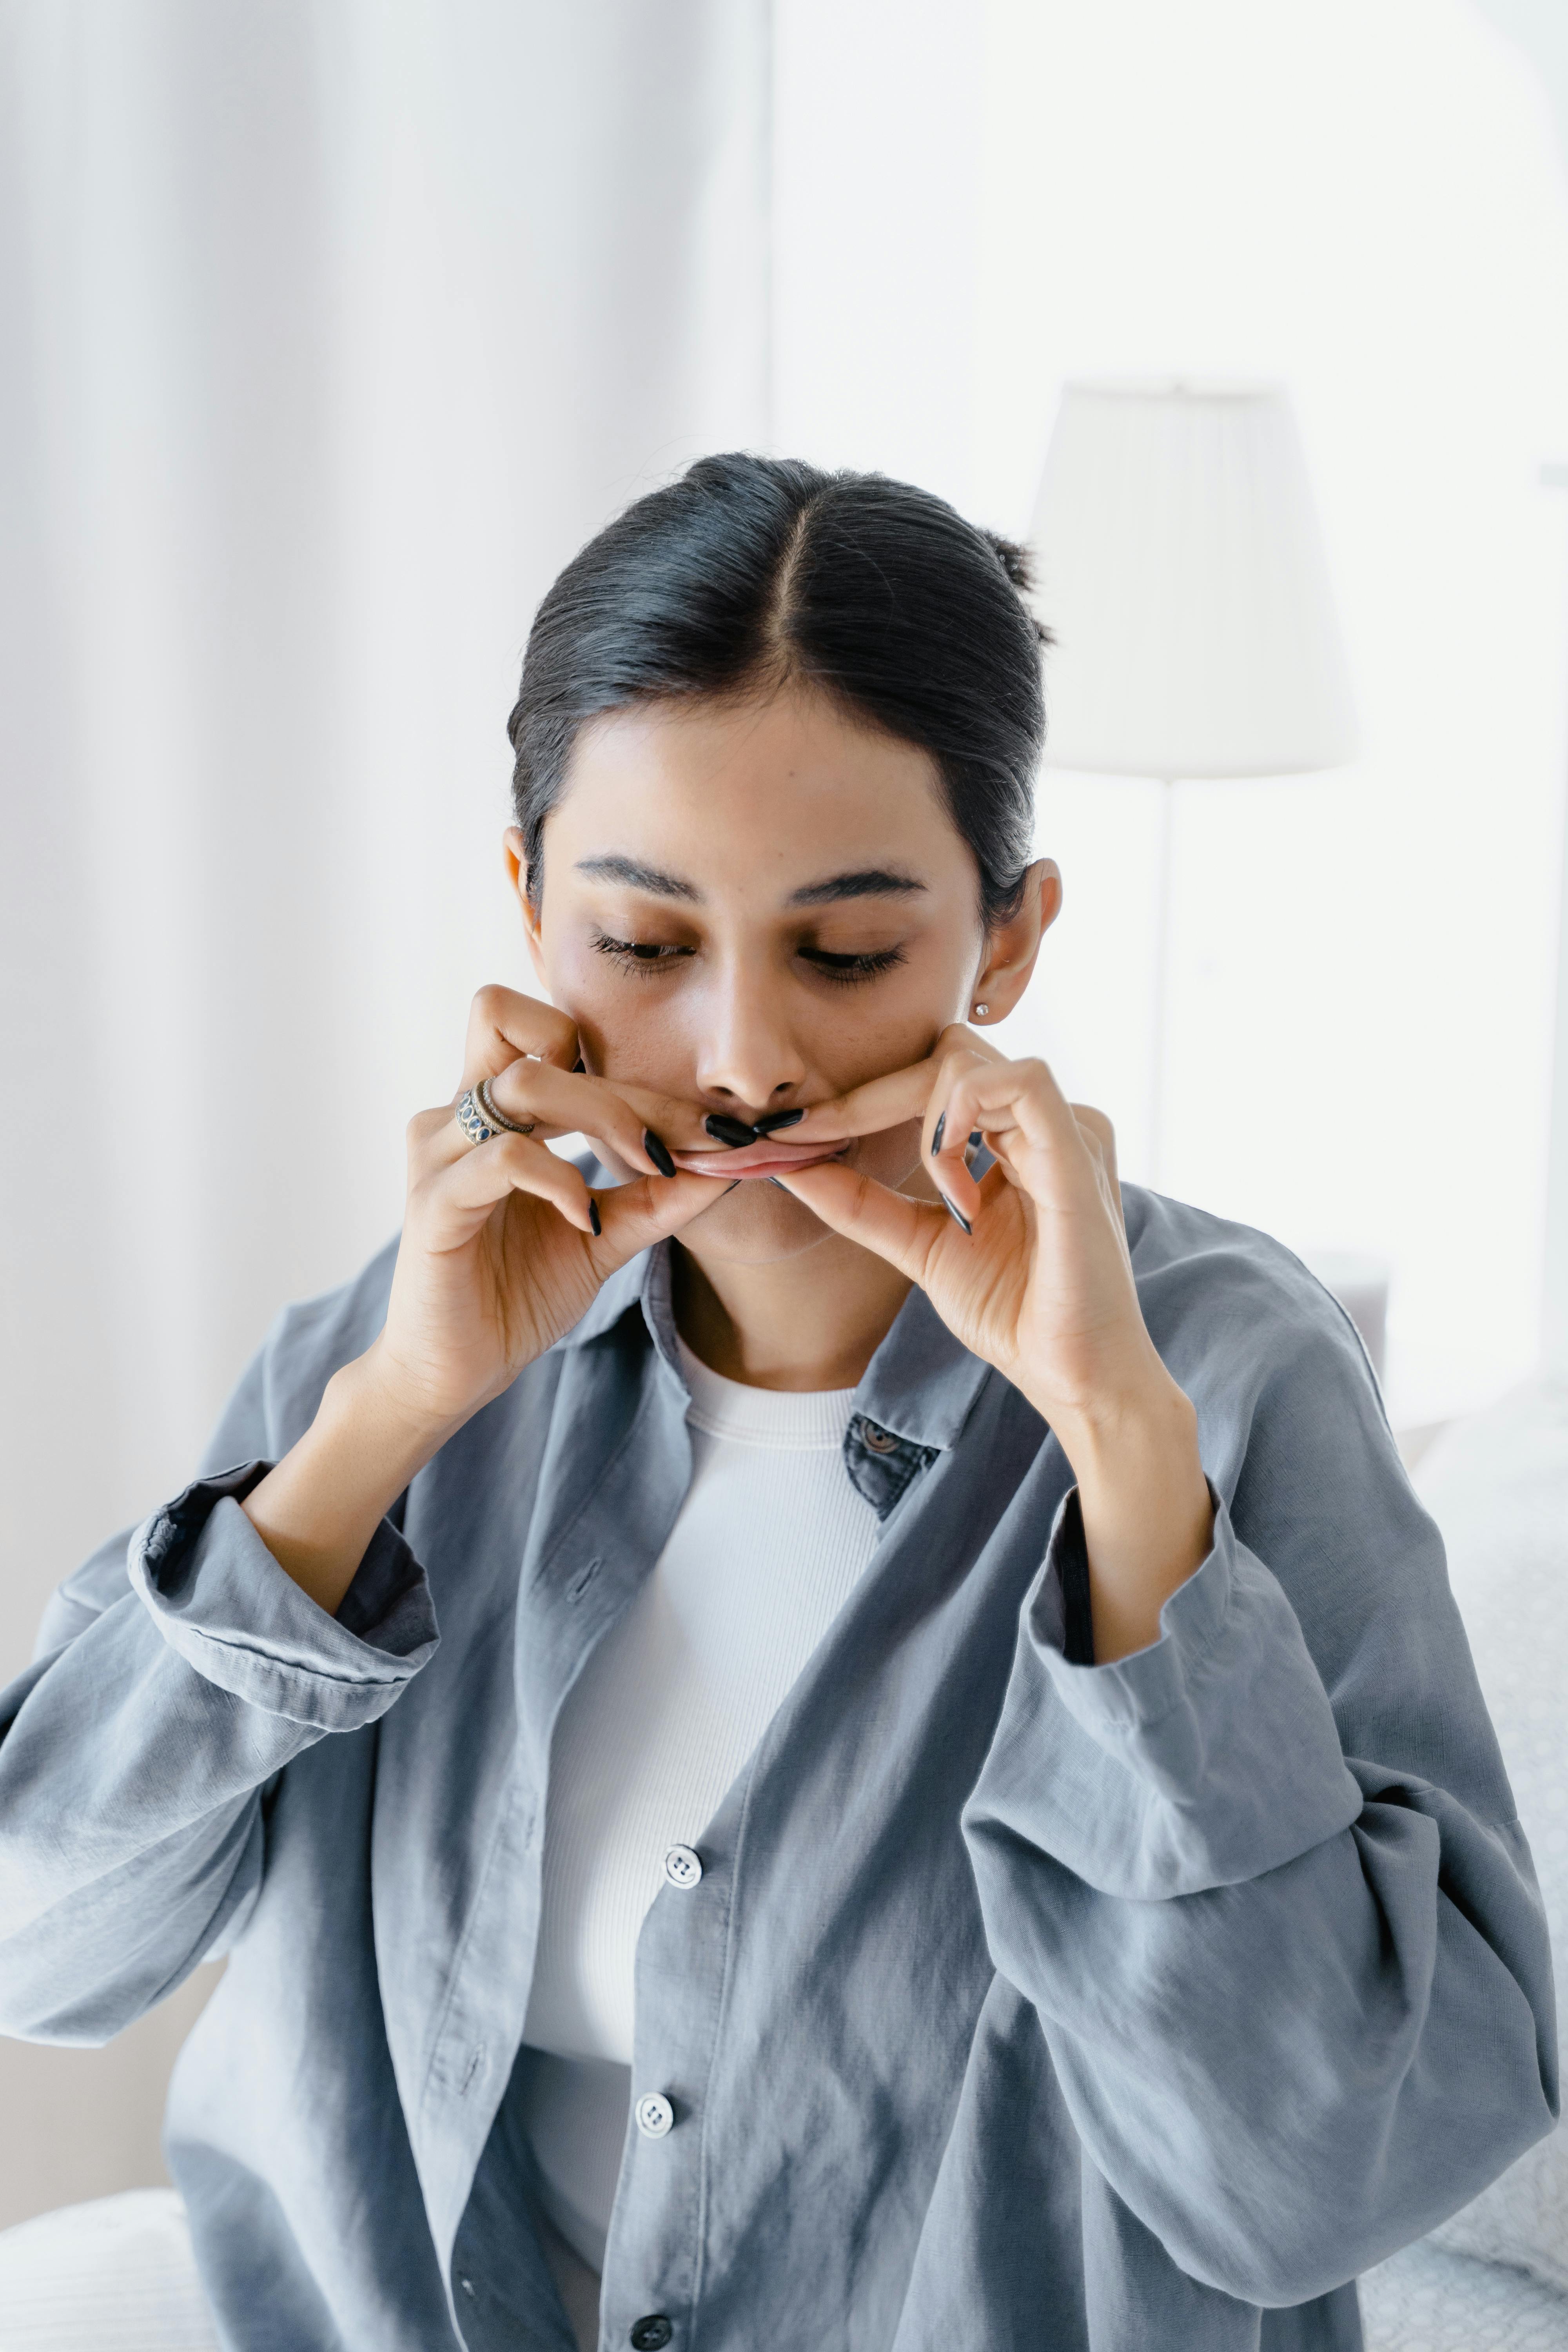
1181,573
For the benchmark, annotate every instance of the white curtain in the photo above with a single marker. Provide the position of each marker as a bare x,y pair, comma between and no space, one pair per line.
331,328
328,329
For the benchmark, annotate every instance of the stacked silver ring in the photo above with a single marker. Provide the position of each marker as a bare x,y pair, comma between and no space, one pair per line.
480,1120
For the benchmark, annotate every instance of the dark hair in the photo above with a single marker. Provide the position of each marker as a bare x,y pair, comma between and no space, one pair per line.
749,572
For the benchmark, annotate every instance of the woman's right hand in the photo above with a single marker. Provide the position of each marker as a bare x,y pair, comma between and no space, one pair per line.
499,1259
504,1246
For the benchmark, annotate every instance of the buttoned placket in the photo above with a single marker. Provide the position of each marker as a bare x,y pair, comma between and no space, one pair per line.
583,1566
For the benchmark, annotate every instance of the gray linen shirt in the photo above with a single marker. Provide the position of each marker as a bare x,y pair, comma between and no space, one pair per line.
1023,2002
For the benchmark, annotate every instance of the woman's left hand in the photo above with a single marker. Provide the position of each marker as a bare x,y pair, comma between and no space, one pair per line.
1041,1285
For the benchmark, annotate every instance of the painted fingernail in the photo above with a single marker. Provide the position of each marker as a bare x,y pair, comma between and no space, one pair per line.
594,1216
940,1131
772,1120
732,1132
976,1139
658,1151
956,1215
773,1180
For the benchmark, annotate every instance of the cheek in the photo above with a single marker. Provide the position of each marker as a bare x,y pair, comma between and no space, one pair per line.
630,1029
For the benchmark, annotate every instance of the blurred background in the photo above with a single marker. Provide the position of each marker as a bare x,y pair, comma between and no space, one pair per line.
331,328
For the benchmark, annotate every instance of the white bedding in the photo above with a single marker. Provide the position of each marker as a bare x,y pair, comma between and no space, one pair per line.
116,2276
1427,2301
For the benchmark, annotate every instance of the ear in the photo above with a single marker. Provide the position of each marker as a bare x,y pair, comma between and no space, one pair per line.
1012,947
517,871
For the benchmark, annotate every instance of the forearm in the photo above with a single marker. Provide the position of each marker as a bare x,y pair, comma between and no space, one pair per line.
318,1509
1147,1518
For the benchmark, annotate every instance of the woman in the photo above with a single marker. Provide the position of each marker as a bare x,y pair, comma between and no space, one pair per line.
830,1627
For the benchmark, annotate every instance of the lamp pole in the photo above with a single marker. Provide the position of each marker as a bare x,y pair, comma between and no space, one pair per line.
1160,1024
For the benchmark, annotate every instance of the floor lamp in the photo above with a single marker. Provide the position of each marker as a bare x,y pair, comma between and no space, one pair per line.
1181,573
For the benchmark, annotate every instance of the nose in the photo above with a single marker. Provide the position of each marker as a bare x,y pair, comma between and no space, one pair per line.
749,1059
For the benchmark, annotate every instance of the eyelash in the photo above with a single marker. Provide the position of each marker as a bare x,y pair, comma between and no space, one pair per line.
843,971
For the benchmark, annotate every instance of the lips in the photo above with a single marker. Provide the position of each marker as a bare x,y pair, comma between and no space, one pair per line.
767,1157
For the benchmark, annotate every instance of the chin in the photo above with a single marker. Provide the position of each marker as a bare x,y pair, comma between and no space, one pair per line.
755,1224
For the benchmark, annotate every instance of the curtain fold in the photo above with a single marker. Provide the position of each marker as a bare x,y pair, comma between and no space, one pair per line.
332,327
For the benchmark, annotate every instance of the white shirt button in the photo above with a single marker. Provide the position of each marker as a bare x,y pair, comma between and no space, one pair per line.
682,1867
655,2115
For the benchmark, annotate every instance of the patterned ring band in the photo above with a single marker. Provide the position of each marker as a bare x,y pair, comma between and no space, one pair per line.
479,1119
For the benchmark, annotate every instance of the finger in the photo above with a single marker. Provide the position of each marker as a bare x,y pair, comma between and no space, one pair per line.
888,1100
880,1103
502,1025
904,1232
435,1142
451,1202
1027,1122
947,1135
1103,1135
564,1102
649,1210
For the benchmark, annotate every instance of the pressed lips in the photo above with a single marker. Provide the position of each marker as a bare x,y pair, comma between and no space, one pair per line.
765,1157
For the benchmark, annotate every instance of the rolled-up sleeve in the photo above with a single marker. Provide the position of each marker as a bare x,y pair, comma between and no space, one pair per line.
1206,1759
1261,1880
223,1604
177,1674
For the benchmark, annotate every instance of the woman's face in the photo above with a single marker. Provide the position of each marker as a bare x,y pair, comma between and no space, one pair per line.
757,904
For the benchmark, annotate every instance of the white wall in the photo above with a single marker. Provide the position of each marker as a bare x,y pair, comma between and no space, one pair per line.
1364,198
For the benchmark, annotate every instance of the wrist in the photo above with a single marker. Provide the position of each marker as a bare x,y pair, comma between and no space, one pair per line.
1148,1519
1148,1432
368,1410
318,1510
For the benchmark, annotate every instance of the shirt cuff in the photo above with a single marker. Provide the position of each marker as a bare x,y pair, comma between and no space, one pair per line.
1201,1761
220,1600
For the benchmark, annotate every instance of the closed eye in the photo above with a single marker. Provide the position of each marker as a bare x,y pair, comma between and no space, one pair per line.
644,957
847,969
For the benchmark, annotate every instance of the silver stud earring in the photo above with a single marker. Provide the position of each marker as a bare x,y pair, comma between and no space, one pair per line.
981,1011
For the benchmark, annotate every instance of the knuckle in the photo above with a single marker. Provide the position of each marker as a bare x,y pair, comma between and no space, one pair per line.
490,1002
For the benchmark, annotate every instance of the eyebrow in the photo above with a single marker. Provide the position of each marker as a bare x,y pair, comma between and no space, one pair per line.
874,882
869,882
652,878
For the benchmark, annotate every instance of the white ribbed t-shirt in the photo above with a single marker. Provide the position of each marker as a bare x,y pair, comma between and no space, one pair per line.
770,1540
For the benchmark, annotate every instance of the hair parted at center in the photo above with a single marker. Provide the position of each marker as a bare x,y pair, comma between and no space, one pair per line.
749,572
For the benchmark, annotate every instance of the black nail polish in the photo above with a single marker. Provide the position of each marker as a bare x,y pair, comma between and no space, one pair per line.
732,1132
658,1151
956,1215
594,1216
772,1120
937,1135
976,1139
773,1180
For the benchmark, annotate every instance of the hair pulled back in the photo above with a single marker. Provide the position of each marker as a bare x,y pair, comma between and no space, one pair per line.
750,572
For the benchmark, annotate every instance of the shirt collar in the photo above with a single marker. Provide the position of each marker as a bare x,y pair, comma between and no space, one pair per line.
921,1384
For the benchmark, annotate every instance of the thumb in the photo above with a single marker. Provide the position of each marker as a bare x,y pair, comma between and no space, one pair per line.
902,1231
647,1210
